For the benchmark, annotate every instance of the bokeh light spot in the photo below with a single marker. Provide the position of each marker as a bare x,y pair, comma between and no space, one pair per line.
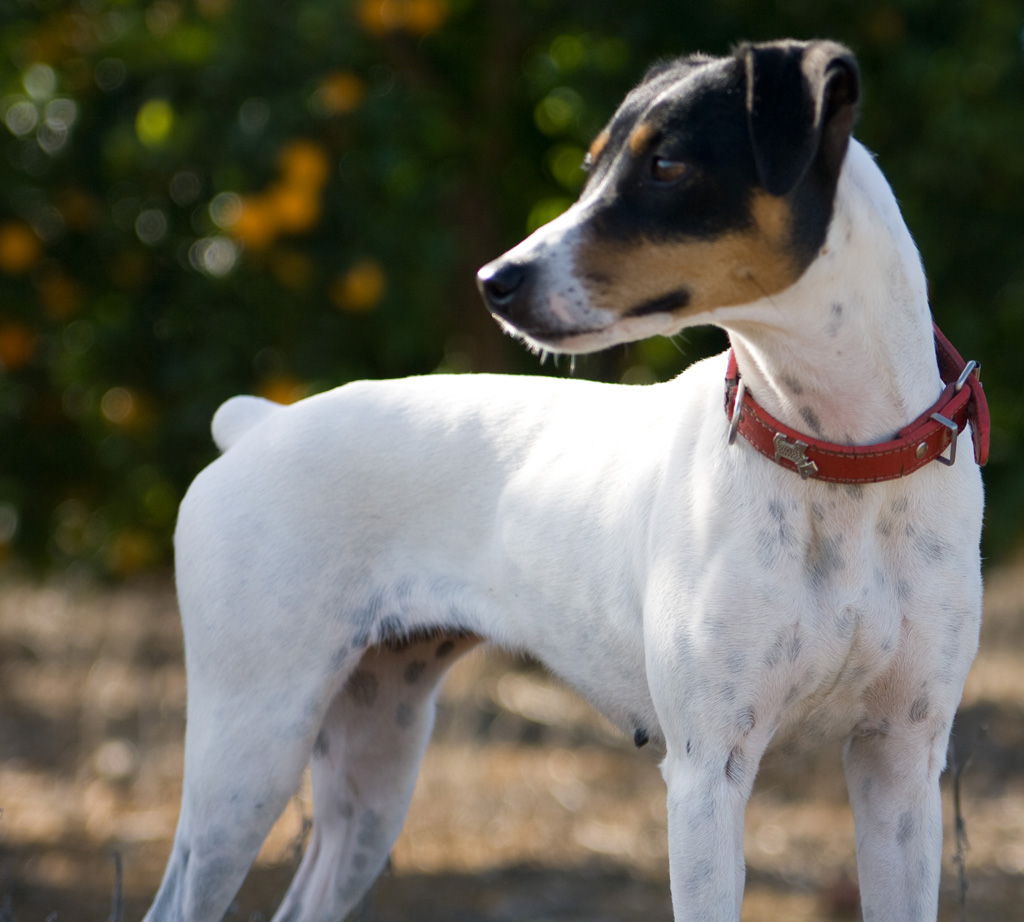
20,117
40,81
214,256
154,122
151,226
118,405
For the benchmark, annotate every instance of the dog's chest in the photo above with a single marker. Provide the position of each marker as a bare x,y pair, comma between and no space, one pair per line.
795,618
822,696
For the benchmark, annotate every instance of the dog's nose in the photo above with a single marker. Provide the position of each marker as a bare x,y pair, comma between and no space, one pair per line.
499,282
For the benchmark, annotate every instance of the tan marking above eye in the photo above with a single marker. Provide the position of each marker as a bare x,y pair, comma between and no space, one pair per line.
735,268
600,143
641,137
771,216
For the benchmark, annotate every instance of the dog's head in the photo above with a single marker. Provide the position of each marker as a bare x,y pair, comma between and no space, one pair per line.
712,186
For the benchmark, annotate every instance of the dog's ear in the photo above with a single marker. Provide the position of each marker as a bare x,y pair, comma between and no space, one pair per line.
801,105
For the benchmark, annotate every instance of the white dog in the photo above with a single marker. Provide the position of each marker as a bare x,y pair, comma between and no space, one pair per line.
345,550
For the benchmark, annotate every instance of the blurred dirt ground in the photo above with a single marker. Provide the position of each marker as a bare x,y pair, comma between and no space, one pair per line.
529,807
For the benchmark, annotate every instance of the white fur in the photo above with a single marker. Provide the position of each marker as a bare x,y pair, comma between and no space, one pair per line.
688,588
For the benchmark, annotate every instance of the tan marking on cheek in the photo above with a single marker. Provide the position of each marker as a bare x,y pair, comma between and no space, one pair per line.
736,268
600,143
641,136
771,216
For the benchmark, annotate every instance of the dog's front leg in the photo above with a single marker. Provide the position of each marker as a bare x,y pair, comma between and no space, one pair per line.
716,727
893,781
707,797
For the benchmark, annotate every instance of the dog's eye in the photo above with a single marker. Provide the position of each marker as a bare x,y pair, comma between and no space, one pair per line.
588,162
666,170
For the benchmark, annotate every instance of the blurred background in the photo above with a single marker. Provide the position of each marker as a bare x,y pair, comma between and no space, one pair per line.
204,198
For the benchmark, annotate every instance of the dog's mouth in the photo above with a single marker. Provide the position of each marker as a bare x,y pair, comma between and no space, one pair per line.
664,304
616,330
658,316
541,336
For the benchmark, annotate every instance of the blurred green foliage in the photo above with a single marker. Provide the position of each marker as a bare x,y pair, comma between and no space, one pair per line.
210,197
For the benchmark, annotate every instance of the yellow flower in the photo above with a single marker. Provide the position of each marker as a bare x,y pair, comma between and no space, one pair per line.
295,207
290,206
19,248
255,225
340,93
304,163
283,389
425,16
17,346
361,288
417,16
59,294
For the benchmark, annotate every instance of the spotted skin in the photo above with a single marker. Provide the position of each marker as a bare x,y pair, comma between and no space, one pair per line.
364,771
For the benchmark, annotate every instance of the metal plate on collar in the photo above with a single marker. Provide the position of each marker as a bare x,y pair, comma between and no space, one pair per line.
795,452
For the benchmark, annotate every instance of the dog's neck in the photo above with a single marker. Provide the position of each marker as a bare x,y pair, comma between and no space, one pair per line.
847,354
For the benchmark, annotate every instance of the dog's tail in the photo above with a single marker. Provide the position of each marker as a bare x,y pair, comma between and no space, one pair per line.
237,416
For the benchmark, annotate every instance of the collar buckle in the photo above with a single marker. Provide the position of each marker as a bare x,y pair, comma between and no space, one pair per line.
971,367
954,431
737,410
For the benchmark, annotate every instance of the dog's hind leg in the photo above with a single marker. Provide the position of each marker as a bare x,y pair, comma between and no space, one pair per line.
364,766
244,757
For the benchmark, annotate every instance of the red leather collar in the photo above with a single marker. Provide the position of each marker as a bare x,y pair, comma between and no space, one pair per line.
962,403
